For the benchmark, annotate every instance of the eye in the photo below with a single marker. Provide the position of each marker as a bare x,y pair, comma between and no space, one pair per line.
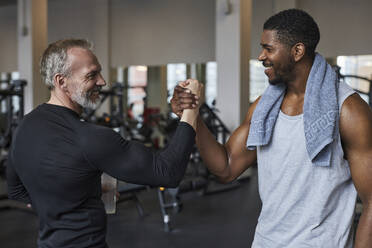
92,75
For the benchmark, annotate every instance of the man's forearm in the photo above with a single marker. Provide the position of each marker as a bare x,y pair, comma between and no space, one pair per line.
171,163
214,154
364,231
190,115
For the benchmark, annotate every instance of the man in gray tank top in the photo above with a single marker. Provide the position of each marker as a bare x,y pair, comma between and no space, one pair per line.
313,144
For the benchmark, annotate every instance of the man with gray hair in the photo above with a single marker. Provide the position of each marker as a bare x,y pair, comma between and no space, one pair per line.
56,160
55,61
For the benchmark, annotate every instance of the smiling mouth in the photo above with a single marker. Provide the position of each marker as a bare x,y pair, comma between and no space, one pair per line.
268,70
267,65
96,91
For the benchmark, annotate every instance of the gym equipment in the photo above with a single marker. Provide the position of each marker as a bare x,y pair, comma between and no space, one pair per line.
12,111
128,192
213,122
14,90
9,118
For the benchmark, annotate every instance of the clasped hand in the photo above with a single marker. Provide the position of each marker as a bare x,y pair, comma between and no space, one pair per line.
186,95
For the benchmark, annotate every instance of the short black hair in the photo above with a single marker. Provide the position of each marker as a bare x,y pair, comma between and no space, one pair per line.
293,26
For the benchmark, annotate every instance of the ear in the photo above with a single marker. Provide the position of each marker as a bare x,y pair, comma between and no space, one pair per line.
59,81
298,51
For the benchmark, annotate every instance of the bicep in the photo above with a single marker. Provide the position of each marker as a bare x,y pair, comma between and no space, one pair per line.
356,135
240,158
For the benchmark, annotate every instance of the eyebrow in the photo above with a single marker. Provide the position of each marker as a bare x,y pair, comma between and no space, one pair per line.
266,45
94,72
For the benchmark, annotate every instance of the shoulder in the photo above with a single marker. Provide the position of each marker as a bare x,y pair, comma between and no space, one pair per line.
32,121
344,91
250,111
33,114
355,107
355,121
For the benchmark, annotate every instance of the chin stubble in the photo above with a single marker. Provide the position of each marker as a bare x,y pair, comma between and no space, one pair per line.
83,99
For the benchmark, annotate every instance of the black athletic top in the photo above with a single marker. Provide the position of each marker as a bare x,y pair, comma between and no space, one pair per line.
56,161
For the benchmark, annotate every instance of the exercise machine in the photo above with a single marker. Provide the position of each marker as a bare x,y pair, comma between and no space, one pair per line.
12,111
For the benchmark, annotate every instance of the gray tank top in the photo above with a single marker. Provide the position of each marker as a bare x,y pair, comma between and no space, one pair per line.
303,205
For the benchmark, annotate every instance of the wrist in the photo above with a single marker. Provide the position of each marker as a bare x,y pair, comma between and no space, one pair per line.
191,117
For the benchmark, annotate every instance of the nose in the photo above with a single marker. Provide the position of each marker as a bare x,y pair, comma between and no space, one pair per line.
262,55
101,81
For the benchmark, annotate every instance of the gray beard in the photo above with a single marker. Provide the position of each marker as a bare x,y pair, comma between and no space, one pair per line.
82,100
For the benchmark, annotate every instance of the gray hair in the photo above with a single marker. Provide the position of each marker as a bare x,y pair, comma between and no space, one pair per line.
54,59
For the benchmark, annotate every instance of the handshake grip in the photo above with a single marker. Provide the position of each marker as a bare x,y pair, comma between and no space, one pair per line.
190,115
194,86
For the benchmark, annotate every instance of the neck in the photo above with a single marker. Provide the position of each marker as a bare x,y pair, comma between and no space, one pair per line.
302,69
61,99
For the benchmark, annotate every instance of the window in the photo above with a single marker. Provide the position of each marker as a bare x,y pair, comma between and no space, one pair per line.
137,82
358,66
175,73
258,79
211,83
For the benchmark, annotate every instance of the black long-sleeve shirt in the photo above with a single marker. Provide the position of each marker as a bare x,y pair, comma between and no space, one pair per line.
56,161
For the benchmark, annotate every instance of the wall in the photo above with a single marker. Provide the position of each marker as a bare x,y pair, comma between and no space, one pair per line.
163,31
344,25
156,32
70,18
88,19
150,32
8,38
261,10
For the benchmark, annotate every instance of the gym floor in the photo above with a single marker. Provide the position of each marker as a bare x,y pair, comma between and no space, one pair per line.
219,220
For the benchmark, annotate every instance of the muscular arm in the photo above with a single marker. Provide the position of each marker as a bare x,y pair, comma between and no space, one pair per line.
356,135
227,161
